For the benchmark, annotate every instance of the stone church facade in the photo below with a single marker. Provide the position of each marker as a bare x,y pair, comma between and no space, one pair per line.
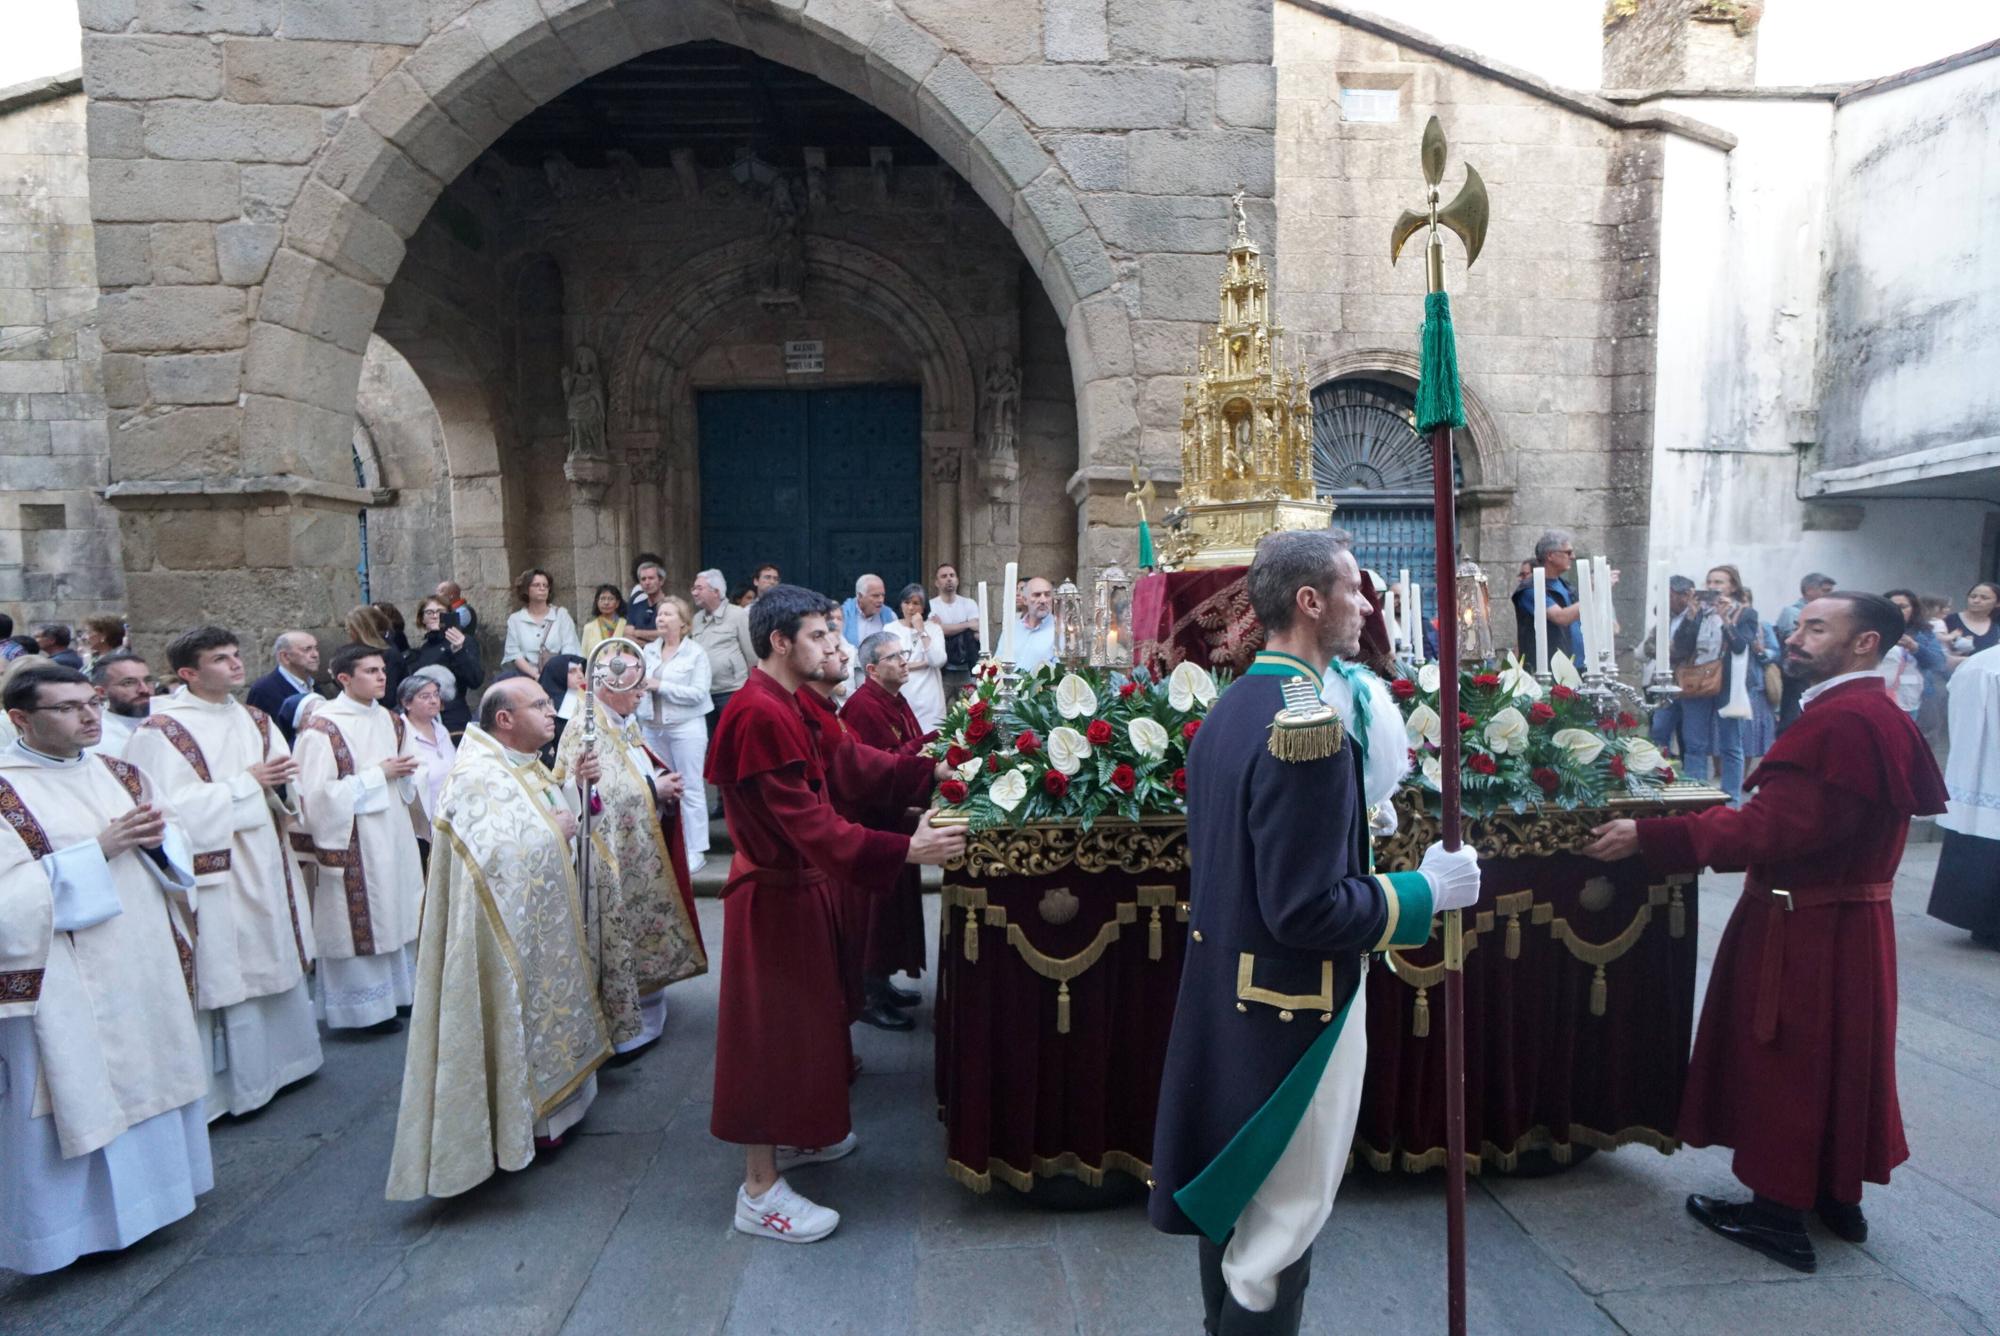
548,284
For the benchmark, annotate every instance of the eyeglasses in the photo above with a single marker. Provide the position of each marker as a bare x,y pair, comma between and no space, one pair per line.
74,709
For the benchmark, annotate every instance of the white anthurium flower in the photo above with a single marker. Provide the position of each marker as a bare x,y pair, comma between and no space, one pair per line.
1074,698
1643,756
1190,685
1507,731
1563,669
1518,681
1148,738
1581,743
970,770
1428,679
1068,749
1433,770
1008,790
1423,725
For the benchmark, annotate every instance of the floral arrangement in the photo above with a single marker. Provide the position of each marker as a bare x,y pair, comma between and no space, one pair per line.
1073,746
1521,747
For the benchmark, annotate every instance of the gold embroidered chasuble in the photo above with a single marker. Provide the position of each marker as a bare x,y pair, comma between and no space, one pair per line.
649,941
506,1025
112,1003
255,921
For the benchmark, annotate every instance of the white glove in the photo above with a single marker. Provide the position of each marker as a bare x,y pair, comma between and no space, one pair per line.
1382,821
1453,875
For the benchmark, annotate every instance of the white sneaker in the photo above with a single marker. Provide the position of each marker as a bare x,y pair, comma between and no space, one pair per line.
784,1215
791,1157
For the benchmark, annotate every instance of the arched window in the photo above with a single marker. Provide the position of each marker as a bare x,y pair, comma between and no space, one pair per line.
1370,462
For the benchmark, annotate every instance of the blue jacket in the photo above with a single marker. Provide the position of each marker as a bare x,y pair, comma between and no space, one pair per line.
850,622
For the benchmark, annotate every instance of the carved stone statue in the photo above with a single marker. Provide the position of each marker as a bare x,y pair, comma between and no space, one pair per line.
1000,405
785,236
583,394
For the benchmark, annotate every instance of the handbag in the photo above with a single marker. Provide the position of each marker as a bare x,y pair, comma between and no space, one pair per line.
1699,681
1739,694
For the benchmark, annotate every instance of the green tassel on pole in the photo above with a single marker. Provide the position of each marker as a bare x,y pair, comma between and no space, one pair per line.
1146,562
1439,402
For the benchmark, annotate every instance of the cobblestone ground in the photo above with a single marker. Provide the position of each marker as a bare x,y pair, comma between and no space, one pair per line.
627,1230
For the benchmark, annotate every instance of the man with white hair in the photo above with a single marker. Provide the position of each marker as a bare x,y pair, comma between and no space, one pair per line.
866,614
722,629
297,656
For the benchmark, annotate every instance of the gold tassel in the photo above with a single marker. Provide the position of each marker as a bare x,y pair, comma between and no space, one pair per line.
1677,915
1305,742
1062,1007
1598,989
972,934
1153,936
1513,937
1420,1019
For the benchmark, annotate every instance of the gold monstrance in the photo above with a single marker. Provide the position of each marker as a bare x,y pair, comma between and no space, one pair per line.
1246,430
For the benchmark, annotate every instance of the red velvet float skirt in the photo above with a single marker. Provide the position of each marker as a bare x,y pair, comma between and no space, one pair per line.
781,1042
1813,1111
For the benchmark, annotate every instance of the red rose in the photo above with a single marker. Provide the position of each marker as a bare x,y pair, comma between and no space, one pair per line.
1465,722
1546,779
1413,758
956,756
1127,690
1541,712
1667,775
993,764
1618,767
1402,688
1099,732
1027,743
1180,780
1486,680
1190,728
1562,693
1055,782
1124,779
977,709
1627,721
978,729
1480,763
953,791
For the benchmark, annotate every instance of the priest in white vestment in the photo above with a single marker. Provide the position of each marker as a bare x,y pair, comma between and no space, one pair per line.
650,936
102,1072
506,1037
229,776
126,684
355,788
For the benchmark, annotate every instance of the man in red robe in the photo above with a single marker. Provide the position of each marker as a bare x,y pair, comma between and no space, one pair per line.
1794,1065
781,1068
877,716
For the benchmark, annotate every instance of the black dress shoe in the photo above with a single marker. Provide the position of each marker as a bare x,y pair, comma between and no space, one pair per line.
1844,1219
885,1018
390,1026
900,997
1735,1222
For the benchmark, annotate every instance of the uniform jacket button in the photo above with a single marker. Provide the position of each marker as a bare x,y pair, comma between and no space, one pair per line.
1242,1007
1197,934
1284,1015
1326,1018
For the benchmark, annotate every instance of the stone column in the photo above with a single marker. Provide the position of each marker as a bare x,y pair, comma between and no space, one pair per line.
596,546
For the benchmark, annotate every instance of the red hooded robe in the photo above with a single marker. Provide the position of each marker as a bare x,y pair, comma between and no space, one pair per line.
879,718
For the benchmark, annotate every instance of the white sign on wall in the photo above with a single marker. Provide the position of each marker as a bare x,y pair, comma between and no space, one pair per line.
805,357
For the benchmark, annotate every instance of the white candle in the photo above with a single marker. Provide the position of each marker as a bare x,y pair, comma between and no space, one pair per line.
1586,620
1403,610
1417,622
985,645
1007,617
1610,615
1662,614
1541,622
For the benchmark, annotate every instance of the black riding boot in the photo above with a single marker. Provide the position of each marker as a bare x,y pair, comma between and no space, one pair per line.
1283,1319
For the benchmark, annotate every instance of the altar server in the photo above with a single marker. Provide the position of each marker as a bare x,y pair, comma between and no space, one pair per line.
506,1037
355,763
781,1068
230,778
1966,891
1794,1062
1262,1083
650,935
102,1072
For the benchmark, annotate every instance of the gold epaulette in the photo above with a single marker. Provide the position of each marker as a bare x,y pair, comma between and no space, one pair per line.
1307,729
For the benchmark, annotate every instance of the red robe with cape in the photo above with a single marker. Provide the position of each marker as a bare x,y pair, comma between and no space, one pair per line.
894,939
782,1057
1794,1063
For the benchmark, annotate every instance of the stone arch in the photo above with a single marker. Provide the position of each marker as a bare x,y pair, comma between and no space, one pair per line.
372,186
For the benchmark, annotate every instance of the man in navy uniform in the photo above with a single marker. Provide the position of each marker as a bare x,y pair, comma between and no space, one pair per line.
1263,1073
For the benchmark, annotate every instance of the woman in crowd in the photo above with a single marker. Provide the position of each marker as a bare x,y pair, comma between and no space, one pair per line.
422,699
562,678
1973,630
1908,666
367,625
101,635
1713,646
745,596
1762,729
398,631
673,716
923,651
446,647
539,629
607,619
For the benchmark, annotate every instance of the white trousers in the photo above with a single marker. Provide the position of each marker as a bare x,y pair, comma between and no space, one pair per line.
684,747
1289,1210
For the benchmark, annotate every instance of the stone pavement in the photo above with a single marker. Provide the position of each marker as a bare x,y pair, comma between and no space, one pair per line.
627,1230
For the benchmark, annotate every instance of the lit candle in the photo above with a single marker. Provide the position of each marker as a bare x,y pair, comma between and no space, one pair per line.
1007,617
1417,622
1662,614
1541,622
985,644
